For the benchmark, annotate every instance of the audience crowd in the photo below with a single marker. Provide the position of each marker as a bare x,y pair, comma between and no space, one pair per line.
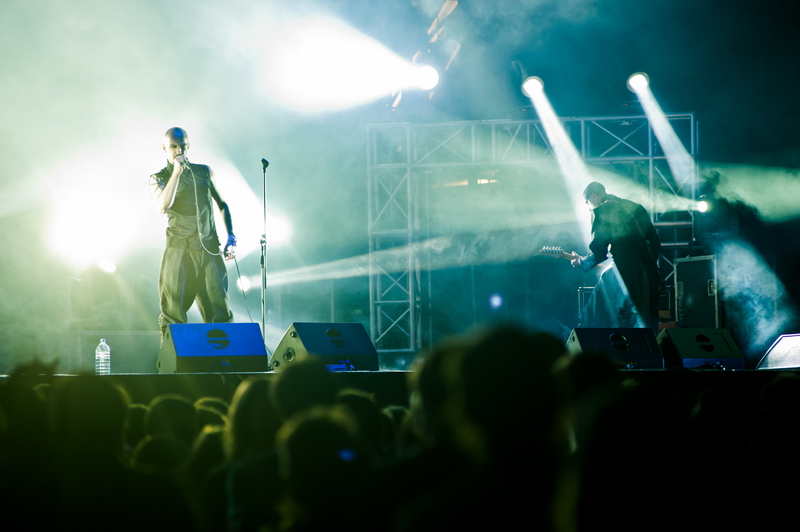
502,431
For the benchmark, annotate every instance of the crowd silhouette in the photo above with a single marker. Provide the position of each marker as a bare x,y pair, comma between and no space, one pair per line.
503,430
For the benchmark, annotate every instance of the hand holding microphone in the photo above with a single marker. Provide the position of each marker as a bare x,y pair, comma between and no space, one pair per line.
230,248
180,162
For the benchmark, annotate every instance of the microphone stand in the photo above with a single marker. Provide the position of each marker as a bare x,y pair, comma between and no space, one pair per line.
264,165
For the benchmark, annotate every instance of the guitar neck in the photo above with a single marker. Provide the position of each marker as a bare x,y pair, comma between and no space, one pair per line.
557,252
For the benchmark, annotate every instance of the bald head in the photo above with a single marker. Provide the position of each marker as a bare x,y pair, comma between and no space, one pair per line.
176,142
176,133
594,188
594,194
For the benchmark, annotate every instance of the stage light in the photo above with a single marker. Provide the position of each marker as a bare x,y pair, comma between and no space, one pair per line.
321,64
638,81
244,283
107,266
703,206
532,84
427,77
279,230
92,216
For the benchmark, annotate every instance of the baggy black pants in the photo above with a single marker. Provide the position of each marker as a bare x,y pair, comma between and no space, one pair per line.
189,275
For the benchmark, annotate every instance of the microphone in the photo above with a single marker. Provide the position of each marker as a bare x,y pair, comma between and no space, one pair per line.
264,163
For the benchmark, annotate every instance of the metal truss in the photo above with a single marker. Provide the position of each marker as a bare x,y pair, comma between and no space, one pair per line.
404,159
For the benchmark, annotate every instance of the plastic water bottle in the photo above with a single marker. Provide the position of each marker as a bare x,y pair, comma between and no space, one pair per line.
102,358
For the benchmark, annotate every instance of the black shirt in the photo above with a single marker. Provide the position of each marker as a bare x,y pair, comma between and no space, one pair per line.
193,208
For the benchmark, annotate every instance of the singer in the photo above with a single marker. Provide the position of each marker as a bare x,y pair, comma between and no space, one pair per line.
192,268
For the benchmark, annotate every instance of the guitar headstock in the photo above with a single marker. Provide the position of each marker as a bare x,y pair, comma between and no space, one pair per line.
555,251
551,250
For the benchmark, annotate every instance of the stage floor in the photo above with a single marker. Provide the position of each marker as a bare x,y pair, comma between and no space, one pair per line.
391,387
387,387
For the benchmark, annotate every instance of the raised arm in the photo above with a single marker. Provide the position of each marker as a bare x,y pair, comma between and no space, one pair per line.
163,194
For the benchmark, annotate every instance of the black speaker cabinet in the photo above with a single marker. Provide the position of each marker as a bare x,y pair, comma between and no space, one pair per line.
700,348
212,348
341,346
784,353
629,348
696,296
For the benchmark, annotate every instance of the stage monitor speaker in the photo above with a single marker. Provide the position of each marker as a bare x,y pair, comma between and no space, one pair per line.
784,353
629,348
700,349
341,346
212,348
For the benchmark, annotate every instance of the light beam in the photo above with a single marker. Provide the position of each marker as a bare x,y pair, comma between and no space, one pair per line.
681,164
573,168
322,64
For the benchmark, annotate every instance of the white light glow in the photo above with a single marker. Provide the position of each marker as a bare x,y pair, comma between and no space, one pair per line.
99,203
531,85
244,283
279,230
246,210
322,64
427,77
638,81
702,206
107,266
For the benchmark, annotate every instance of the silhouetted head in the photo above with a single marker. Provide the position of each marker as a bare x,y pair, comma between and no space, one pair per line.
301,385
371,423
594,194
160,455
87,417
503,393
171,415
253,420
429,387
322,460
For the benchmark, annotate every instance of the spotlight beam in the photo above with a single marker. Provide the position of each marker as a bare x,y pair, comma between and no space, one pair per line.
442,252
681,164
573,168
321,64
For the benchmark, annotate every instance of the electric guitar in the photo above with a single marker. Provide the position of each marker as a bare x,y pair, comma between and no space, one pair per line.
557,252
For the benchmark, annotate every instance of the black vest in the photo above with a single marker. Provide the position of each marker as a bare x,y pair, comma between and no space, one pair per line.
193,207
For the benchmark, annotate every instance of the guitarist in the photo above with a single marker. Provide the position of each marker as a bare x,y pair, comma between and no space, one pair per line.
621,229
